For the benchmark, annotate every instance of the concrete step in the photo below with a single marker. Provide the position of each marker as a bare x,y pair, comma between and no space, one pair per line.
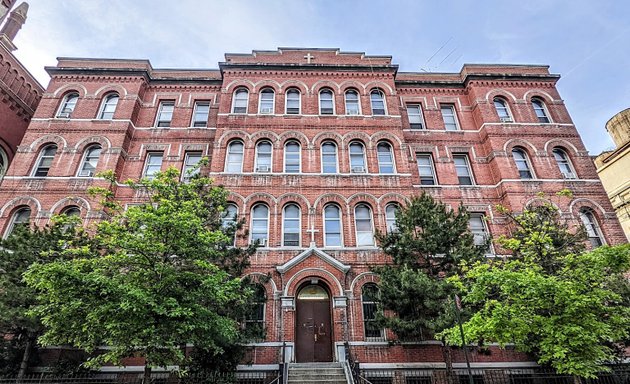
316,373
317,376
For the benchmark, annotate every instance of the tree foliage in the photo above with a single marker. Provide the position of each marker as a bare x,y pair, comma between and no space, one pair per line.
429,243
165,275
26,246
550,298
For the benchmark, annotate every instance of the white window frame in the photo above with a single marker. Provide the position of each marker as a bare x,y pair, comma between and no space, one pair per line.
593,229
299,226
481,231
391,155
226,220
525,160
299,156
66,108
504,107
336,157
266,91
194,121
299,101
235,99
542,107
82,172
358,101
4,163
373,303
565,160
106,104
339,220
159,121
453,110
355,168
390,220
147,164
467,167
382,95
419,116
187,165
332,100
356,226
14,217
40,159
264,241
432,167
257,166
228,153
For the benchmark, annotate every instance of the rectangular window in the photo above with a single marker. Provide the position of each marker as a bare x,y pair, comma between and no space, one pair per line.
372,331
416,120
462,167
200,116
190,164
449,117
425,169
165,114
153,164
477,225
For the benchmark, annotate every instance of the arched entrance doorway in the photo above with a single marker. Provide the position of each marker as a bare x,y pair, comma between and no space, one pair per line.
313,331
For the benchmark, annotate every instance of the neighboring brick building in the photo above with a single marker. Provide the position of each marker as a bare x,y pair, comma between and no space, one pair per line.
19,91
317,147
613,167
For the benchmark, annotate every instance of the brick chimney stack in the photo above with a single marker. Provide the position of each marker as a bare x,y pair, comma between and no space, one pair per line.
13,23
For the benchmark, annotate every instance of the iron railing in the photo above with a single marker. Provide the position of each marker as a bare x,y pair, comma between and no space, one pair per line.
240,377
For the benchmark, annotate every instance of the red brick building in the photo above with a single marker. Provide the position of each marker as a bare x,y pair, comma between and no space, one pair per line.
317,147
19,91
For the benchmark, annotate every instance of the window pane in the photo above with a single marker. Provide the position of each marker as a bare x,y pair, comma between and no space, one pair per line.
293,102
522,164
45,161
109,107
463,171
390,217
260,223
332,226
425,169
329,158
202,110
292,158
414,113
448,115
239,104
235,157
357,158
165,114
352,103
266,101
154,164
68,105
385,158
502,110
363,224
378,103
90,161
539,109
263,157
326,105
190,164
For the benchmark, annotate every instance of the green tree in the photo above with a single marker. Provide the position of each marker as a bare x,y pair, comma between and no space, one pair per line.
166,275
25,246
550,298
429,243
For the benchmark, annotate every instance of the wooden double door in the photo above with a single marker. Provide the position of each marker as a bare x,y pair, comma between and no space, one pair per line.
313,331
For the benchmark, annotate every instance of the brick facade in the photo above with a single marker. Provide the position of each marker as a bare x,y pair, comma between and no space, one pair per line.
128,138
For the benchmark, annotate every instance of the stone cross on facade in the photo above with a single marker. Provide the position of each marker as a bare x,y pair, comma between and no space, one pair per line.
312,231
308,58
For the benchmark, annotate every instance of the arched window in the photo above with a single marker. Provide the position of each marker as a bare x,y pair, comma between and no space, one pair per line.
363,225
540,110
20,218
352,102
263,156
90,161
292,157
502,110
228,221
522,163
255,319
377,99
71,210
592,227
293,102
44,162
385,157
390,216
267,98
291,226
260,224
4,163
357,157
369,301
234,159
240,100
67,105
329,157
332,226
564,163
326,102
108,107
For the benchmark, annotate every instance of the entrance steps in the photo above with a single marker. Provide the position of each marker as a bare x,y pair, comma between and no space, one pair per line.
317,373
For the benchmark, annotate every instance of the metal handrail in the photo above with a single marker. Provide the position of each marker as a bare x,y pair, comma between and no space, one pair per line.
355,371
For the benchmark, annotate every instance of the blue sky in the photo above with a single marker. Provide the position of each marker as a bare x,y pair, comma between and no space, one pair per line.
587,42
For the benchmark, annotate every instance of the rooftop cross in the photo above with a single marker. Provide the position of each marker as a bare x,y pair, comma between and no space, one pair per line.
308,58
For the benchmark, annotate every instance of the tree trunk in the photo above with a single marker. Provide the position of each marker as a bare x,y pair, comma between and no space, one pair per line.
577,380
448,360
146,379
25,357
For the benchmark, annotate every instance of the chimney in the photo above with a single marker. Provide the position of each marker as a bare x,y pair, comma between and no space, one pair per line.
14,22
